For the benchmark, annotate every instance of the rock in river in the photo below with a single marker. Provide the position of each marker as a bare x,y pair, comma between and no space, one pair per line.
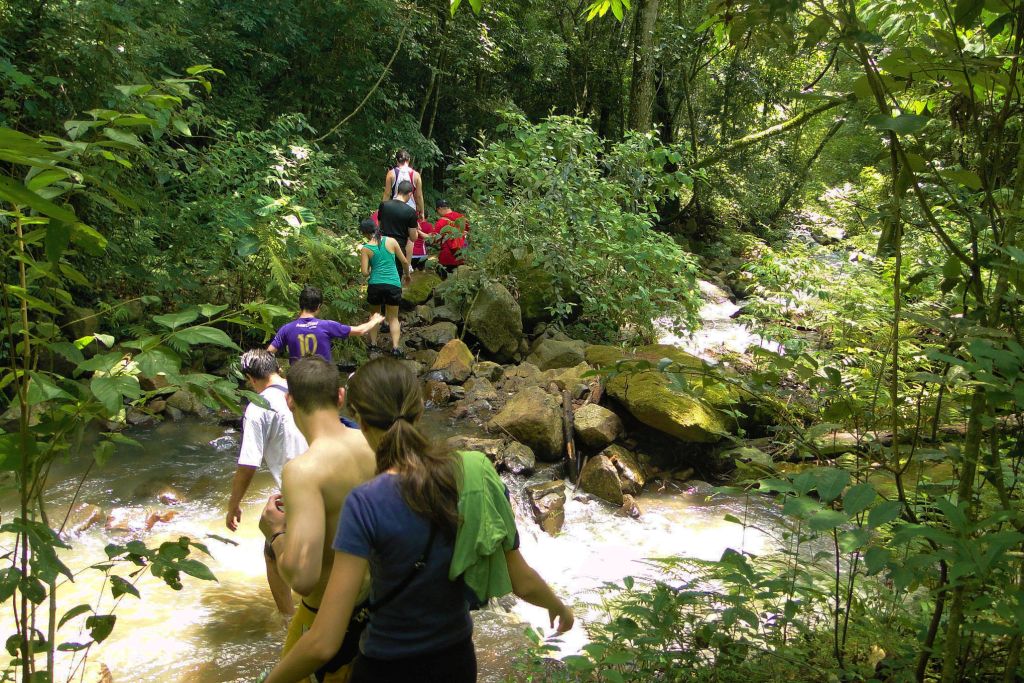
547,503
600,478
533,417
597,427
648,396
454,363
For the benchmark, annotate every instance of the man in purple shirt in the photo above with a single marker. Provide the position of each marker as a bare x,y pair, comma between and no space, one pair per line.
308,335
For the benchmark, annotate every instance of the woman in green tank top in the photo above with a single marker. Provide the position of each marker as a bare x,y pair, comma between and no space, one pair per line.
384,288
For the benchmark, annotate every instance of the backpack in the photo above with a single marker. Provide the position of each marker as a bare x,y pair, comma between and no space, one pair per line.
394,185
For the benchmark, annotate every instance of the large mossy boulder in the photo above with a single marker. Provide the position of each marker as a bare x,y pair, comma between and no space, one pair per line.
533,417
495,320
651,399
551,354
602,355
420,288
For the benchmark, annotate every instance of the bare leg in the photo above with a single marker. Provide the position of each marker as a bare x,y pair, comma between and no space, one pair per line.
279,589
394,325
373,332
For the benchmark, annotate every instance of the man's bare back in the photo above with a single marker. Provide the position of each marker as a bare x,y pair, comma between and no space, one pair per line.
314,487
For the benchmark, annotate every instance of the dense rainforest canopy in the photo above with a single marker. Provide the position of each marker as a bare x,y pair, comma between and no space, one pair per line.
172,172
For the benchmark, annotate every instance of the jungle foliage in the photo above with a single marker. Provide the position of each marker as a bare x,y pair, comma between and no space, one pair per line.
172,172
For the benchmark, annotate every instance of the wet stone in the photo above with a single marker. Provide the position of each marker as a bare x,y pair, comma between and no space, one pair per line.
83,516
437,393
547,503
600,478
629,507
518,458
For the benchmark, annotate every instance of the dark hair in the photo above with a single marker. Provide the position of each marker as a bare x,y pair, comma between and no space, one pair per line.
405,187
367,226
258,364
401,157
385,394
310,299
441,203
313,384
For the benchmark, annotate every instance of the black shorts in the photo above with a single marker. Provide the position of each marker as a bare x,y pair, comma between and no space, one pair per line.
389,295
419,262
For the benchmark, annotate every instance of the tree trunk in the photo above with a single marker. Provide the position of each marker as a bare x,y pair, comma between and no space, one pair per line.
641,89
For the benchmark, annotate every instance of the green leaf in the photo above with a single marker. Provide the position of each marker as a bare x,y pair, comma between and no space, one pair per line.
968,179
884,513
119,586
33,589
100,626
201,334
858,498
111,390
157,361
875,559
72,613
967,11
196,568
103,452
58,236
826,520
175,320
10,577
830,482
210,310
902,124
16,193
123,137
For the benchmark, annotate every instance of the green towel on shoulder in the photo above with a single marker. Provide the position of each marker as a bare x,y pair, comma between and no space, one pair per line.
487,529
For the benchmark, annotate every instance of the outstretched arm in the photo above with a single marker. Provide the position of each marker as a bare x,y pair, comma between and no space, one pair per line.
357,330
300,550
323,639
528,585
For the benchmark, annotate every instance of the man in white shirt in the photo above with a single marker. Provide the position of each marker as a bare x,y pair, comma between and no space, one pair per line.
269,437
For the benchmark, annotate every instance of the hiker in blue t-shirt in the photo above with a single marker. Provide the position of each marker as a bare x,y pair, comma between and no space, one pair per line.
308,334
405,526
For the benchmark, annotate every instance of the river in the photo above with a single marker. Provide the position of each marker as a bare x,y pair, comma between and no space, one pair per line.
229,630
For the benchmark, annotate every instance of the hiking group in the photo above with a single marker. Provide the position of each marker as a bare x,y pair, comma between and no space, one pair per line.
386,537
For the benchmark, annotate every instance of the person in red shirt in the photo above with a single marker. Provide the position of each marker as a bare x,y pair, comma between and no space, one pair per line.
452,229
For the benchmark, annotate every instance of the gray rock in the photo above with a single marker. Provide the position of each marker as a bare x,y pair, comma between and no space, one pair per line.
439,334
533,417
629,507
518,458
447,314
552,353
632,474
547,503
454,363
425,356
826,235
600,478
186,402
423,314
488,370
596,427
436,392
495,320
480,389
492,448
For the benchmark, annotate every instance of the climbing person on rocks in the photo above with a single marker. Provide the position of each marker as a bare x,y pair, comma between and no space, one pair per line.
309,335
299,523
452,230
384,288
269,437
403,171
430,526
398,220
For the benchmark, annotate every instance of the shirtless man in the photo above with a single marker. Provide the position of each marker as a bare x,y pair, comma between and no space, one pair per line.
314,487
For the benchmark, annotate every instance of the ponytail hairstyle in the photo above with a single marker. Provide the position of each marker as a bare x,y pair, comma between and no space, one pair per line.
384,394
371,230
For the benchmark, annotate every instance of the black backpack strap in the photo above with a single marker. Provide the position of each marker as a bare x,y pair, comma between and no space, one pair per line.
417,567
